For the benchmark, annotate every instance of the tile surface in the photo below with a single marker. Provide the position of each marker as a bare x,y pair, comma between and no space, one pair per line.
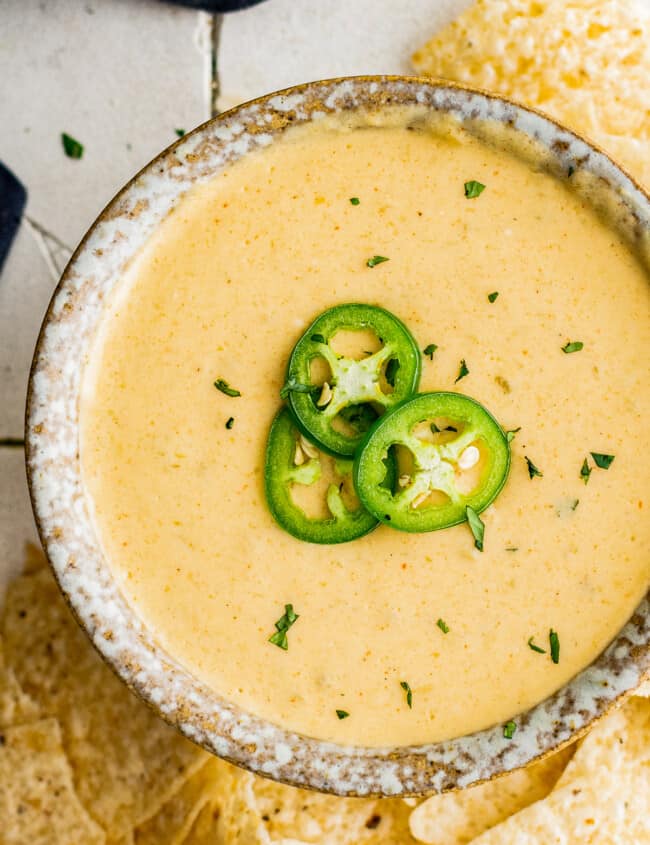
16,522
93,74
283,42
26,285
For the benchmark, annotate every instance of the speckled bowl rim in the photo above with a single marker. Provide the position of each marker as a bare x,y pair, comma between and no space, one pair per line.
65,525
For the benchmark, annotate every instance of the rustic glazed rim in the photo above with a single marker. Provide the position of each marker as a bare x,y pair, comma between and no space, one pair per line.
64,521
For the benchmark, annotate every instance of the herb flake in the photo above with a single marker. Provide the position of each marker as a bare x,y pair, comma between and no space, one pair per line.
510,435
462,372
288,618
375,260
317,338
473,189
476,525
354,201
429,350
492,297
292,385
179,132
224,387
409,693
71,147
509,729
443,626
532,469
230,422
572,346
533,647
342,714
585,471
602,461
554,642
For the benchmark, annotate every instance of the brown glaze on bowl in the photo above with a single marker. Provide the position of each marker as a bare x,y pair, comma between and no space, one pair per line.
61,507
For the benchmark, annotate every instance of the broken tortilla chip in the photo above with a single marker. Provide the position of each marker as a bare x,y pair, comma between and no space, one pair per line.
455,818
584,62
126,762
173,822
16,707
604,795
38,803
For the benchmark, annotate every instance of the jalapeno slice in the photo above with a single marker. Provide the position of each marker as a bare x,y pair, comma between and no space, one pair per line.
295,483
336,410
451,453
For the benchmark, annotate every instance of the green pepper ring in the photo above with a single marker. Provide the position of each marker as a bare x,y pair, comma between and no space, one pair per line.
358,381
280,471
395,428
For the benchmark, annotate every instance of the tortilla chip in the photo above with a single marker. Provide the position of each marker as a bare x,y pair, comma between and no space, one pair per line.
232,817
288,812
16,707
616,742
38,804
604,795
585,62
126,762
456,818
173,822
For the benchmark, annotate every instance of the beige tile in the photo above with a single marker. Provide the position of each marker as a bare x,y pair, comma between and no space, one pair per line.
282,42
16,522
120,76
26,284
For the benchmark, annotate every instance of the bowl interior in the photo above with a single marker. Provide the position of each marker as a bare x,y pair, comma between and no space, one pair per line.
62,511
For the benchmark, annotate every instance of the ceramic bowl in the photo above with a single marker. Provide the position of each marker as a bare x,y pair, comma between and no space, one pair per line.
61,508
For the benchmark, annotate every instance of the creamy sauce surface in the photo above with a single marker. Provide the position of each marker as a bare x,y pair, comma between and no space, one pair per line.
227,286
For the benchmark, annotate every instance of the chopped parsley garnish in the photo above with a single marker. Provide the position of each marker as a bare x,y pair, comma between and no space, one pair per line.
354,200
317,338
510,435
294,386
224,387
462,372
533,647
602,461
477,526
230,422
492,296
391,371
575,504
532,469
342,714
71,147
409,693
443,626
571,170
375,260
509,729
179,132
279,638
429,350
585,471
554,642
572,346
473,189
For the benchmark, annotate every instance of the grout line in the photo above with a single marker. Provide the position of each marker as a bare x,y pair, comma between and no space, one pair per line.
54,251
12,442
215,35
